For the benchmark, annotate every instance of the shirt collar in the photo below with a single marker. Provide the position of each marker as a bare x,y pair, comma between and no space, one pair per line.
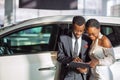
73,36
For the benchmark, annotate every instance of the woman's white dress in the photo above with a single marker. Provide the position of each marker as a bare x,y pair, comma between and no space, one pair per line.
105,57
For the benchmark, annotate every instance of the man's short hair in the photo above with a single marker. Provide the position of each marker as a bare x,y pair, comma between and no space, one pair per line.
79,20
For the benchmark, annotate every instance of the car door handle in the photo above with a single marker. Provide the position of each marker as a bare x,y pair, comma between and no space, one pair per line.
118,60
48,68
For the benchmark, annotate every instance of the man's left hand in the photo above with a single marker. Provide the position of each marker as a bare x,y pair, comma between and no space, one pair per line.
82,70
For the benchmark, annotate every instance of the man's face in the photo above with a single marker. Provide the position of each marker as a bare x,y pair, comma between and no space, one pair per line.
78,30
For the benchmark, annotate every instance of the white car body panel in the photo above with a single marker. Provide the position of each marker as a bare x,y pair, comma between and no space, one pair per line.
115,68
27,67
117,52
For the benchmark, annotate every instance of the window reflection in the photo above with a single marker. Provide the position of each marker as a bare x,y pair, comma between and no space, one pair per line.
32,36
29,40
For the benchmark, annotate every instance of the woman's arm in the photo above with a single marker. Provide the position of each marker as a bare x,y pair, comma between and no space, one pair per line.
108,52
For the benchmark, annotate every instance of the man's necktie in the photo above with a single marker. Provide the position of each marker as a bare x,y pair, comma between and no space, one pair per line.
76,48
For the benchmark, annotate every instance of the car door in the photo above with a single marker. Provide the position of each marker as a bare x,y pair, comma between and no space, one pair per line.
112,31
29,53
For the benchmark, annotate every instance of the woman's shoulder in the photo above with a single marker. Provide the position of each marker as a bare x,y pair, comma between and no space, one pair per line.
105,42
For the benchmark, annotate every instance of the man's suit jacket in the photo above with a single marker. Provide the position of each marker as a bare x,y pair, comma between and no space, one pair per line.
65,56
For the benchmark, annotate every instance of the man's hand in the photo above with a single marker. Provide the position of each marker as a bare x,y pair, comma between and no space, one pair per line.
77,59
82,70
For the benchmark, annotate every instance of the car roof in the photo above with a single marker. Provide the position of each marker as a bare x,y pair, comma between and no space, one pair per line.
59,18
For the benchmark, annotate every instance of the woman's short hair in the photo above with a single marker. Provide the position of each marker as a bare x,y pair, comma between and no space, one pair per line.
92,23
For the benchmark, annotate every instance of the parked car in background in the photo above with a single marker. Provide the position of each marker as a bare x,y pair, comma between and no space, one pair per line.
28,49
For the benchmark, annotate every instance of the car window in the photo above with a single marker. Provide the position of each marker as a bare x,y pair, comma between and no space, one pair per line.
31,36
30,40
64,28
112,32
106,30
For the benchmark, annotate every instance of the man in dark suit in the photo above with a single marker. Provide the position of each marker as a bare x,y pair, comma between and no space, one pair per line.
74,47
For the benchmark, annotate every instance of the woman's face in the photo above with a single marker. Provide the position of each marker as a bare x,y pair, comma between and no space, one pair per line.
93,32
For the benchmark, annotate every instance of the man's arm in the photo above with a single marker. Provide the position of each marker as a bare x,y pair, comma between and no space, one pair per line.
63,57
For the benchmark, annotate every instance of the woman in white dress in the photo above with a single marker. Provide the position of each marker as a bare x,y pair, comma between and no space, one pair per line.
101,52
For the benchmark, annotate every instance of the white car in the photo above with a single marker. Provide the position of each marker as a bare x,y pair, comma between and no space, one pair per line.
28,49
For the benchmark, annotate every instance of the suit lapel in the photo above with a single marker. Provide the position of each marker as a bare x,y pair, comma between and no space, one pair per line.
80,54
70,44
82,51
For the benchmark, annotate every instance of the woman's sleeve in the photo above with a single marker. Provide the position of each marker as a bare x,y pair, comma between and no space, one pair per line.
109,57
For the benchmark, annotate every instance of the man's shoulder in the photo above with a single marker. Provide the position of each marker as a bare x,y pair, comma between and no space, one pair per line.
66,35
86,38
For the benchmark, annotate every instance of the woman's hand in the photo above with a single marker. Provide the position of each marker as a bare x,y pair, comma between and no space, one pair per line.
94,63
